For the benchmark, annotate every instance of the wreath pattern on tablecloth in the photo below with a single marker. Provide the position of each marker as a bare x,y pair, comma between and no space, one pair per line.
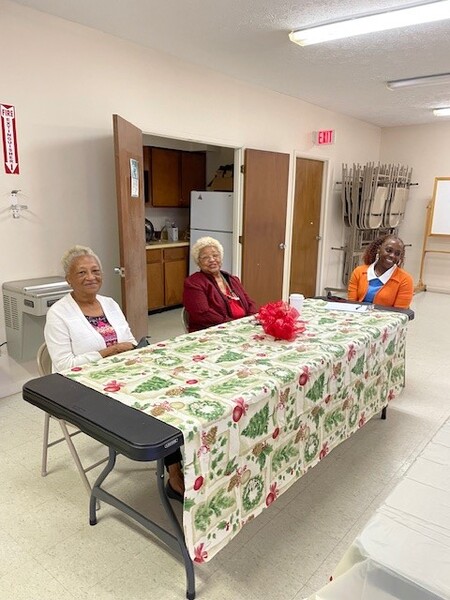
253,492
311,447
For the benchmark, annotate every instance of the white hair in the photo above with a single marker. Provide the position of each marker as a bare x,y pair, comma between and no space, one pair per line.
70,255
204,242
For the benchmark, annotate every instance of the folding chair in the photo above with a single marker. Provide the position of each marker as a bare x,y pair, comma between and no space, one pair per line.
45,368
185,319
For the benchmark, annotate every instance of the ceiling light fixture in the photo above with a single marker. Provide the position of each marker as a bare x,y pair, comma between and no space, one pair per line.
440,78
381,21
441,112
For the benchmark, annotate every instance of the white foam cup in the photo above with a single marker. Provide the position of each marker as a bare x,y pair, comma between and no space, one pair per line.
296,301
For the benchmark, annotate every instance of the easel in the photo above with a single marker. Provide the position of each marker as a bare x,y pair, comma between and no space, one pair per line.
421,286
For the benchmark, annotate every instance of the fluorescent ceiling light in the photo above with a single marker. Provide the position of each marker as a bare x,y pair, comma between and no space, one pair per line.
401,17
441,112
440,78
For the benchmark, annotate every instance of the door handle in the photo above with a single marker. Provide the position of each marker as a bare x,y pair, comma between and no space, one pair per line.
119,271
282,246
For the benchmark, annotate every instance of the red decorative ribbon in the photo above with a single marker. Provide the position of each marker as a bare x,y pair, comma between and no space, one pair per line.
281,320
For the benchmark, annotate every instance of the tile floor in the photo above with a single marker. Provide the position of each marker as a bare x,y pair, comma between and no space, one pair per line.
48,551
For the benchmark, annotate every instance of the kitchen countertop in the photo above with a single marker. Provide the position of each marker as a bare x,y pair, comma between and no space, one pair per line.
165,244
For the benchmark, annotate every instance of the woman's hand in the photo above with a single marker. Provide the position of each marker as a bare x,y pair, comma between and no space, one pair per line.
116,349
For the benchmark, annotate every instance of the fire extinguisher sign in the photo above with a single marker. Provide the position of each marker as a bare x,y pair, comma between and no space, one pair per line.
9,139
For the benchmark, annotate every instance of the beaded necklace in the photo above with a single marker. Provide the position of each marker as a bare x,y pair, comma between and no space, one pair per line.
228,291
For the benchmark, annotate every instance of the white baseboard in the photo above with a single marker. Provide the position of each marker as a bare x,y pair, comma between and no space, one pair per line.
438,290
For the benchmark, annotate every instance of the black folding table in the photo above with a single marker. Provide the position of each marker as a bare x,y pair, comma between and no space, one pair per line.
124,430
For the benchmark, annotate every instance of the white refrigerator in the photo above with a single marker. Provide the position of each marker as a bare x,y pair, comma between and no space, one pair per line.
212,215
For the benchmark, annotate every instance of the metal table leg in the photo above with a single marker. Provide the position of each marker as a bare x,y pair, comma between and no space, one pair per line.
176,542
179,535
93,504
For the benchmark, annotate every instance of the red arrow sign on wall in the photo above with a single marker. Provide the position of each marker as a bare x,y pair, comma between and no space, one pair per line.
9,138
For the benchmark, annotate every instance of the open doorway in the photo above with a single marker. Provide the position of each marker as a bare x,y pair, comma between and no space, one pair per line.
185,183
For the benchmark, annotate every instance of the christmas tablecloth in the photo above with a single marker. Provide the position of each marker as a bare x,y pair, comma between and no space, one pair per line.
256,413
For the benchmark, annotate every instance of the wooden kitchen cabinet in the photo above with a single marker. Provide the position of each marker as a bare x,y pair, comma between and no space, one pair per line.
155,279
171,175
165,177
175,272
166,271
193,175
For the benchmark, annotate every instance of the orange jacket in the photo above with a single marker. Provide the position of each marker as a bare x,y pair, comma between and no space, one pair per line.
397,292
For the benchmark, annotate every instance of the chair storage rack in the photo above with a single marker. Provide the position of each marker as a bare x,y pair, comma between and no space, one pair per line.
373,204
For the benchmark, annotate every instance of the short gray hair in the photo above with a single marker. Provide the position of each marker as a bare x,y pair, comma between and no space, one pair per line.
204,242
70,255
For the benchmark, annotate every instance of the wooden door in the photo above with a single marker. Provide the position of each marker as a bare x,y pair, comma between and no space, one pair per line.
193,174
131,218
266,177
306,226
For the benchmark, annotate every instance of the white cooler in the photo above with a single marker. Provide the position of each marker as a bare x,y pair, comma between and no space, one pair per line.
26,302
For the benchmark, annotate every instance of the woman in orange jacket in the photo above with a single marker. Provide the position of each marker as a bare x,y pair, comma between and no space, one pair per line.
381,280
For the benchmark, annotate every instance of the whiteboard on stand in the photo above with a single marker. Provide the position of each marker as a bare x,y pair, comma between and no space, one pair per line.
440,216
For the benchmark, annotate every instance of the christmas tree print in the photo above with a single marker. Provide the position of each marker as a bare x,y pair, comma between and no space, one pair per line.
316,391
258,424
151,385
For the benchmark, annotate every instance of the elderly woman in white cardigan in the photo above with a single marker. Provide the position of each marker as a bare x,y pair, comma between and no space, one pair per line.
84,327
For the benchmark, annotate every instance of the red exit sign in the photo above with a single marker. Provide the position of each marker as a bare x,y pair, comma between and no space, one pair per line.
323,137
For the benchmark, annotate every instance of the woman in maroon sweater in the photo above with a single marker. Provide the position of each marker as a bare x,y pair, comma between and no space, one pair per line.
212,296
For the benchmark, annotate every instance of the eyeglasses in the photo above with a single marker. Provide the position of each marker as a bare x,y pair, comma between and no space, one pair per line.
205,259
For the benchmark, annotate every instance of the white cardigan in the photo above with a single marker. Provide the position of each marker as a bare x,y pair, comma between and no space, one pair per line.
72,341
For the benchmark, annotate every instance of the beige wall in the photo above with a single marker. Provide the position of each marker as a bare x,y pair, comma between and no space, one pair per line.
66,81
426,148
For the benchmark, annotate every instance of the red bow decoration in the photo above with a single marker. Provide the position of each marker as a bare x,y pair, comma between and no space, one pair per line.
281,320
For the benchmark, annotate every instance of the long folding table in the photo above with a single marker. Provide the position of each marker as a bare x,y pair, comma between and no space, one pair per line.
126,431
252,413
